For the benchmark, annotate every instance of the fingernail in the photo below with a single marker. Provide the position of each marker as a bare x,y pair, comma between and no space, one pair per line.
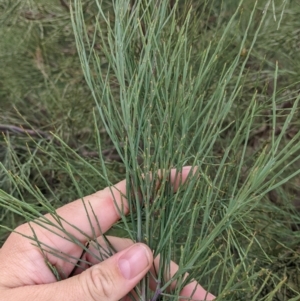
134,261
194,169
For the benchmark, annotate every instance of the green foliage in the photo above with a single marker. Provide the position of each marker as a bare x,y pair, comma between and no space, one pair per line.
167,83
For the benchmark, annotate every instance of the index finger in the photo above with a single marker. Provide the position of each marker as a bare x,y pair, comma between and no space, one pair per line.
88,218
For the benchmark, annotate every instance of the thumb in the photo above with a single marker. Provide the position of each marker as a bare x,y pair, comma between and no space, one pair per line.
112,279
109,280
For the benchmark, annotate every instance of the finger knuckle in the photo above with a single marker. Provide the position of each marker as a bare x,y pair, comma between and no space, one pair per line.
23,229
100,284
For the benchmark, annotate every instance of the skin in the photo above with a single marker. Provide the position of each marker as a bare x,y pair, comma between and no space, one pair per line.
24,274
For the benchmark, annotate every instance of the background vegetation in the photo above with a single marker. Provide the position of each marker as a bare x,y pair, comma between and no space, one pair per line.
66,131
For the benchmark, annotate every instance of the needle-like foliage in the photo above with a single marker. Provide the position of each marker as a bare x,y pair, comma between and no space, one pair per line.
178,83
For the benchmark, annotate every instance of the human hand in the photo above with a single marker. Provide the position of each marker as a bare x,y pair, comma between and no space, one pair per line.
25,275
